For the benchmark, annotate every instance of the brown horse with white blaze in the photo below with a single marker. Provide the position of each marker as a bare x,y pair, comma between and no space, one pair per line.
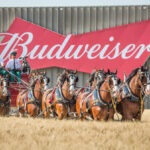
4,96
95,77
99,103
136,86
29,100
60,100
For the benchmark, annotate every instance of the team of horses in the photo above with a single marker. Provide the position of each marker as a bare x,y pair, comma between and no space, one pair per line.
104,96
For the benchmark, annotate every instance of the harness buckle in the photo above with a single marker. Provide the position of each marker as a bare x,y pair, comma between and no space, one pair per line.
2,105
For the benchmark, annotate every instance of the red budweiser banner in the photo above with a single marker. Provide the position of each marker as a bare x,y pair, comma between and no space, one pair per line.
123,48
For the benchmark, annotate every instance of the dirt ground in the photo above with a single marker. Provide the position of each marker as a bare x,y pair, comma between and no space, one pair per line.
50,134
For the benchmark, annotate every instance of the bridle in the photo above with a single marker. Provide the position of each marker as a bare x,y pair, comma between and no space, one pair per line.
100,76
115,87
71,81
142,86
39,78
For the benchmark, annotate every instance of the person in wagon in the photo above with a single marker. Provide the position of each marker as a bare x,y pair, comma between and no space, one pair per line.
3,72
14,66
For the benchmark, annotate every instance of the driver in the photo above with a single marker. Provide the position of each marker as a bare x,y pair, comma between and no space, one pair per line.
14,66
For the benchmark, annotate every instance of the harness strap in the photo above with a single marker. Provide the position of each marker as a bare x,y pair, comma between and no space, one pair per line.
81,113
133,96
114,106
142,103
52,97
48,91
25,102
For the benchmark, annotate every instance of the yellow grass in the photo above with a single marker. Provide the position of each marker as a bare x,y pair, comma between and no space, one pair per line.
49,134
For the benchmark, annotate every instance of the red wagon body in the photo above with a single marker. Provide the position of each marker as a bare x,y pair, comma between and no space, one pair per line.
15,88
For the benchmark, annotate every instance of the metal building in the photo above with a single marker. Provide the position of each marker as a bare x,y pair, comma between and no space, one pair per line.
74,17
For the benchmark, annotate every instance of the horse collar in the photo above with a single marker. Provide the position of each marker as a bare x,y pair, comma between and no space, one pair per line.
133,96
97,94
61,97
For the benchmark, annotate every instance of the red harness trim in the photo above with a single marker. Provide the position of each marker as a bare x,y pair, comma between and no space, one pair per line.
25,102
52,95
84,87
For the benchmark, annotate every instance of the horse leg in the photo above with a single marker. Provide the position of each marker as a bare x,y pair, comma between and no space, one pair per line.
138,117
21,112
7,110
61,111
2,110
72,112
32,110
44,109
127,117
78,107
111,115
96,112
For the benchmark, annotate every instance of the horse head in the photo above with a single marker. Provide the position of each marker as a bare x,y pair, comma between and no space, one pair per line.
147,89
4,86
113,82
96,77
39,83
100,75
143,80
72,79
42,79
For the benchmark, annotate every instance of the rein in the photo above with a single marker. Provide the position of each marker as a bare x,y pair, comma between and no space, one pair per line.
25,83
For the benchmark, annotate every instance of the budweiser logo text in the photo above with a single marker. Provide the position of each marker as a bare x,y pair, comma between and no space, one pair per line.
65,50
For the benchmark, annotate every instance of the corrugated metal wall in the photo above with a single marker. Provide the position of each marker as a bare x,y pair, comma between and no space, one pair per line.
75,20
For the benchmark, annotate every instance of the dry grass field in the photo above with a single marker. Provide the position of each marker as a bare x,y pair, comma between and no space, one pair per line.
50,134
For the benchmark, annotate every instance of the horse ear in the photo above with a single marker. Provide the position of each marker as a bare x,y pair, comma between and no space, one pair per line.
66,71
108,71
125,77
116,71
77,79
146,68
142,68
44,72
119,81
75,71
93,71
103,69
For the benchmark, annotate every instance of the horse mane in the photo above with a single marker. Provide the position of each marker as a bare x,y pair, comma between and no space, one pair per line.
33,83
100,83
92,76
63,76
132,74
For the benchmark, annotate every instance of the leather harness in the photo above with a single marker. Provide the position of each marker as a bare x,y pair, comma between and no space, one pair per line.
98,101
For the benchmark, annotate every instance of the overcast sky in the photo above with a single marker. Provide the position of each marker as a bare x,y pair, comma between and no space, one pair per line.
63,3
